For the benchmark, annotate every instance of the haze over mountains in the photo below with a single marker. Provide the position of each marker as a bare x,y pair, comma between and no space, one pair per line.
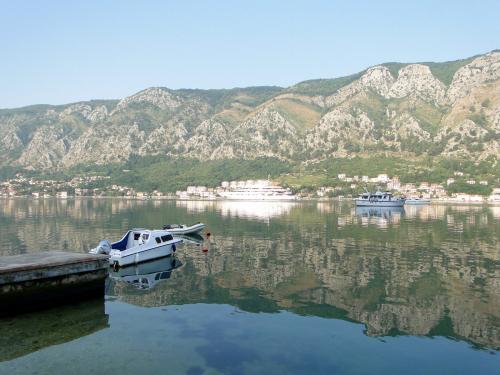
412,111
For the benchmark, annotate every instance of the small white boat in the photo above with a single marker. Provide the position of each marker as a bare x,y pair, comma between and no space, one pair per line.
379,199
417,201
184,229
138,245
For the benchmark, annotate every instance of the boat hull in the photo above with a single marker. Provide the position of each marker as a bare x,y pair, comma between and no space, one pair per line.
366,203
418,203
139,254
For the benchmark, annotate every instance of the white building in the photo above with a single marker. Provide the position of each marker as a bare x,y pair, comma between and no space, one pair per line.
409,188
470,198
323,191
495,196
383,178
424,185
200,189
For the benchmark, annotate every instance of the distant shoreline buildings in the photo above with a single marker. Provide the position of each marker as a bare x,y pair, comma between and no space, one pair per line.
343,186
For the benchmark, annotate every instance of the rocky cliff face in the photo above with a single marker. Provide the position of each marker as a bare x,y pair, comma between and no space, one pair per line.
388,108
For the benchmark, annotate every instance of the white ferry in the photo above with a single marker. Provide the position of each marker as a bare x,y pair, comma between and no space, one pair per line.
379,199
260,191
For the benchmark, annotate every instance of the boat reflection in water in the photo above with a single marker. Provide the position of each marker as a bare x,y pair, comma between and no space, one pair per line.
250,210
146,275
380,216
384,212
261,211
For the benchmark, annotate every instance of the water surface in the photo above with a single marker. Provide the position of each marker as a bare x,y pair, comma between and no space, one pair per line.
318,288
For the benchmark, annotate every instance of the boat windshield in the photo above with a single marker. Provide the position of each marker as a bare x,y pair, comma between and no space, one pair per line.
167,237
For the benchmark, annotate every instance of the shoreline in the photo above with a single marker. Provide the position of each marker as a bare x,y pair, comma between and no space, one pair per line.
171,198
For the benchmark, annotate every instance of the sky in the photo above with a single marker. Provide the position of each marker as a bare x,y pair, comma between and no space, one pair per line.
57,52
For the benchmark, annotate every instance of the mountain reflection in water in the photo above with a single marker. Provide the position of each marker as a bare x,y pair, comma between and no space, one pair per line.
424,271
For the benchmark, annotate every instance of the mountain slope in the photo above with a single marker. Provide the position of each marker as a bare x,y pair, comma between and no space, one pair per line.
449,110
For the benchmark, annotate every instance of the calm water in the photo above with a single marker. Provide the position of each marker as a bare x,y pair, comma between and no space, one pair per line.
284,288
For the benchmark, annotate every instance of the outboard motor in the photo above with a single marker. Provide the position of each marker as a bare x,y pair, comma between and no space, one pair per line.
104,247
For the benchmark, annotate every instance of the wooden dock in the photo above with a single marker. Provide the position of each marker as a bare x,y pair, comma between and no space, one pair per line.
33,281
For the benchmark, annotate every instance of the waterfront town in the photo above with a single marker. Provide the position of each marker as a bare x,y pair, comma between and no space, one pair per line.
343,186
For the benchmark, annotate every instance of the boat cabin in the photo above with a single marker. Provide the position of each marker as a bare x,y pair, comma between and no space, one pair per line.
139,237
386,196
149,281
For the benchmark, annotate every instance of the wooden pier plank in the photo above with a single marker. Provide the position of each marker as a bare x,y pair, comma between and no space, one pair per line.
31,281
25,262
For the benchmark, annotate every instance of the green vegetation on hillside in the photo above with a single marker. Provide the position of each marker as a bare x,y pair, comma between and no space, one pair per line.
323,86
7,172
303,116
168,175
463,187
394,67
38,109
222,98
431,170
364,166
444,71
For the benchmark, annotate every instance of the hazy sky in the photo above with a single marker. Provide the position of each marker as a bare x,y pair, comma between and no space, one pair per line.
63,51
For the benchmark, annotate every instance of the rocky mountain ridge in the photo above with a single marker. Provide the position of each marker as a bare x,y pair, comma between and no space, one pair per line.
391,109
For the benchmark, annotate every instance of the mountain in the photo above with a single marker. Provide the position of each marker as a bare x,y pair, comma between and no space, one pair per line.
447,110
